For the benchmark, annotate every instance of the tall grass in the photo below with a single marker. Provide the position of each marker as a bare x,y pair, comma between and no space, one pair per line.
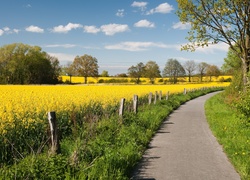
231,129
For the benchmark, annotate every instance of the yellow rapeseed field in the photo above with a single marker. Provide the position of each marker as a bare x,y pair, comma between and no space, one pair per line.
29,104
159,81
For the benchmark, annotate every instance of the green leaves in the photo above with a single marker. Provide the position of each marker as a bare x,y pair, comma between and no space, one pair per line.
25,64
210,20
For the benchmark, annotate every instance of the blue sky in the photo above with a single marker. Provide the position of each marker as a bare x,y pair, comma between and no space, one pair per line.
118,33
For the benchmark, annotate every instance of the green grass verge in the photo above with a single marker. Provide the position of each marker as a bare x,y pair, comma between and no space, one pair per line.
231,132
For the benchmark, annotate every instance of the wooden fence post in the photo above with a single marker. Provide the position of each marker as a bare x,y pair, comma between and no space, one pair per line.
135,104
150,98
160,95
167,96
55,146
121,110
156,94
185,91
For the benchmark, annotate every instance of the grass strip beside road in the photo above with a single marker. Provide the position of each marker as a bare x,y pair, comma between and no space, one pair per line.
231,132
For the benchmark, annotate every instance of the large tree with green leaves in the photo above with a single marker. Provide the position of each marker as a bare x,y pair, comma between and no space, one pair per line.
214,21
25,64
173,69
152,71
232,63
137,72
86,66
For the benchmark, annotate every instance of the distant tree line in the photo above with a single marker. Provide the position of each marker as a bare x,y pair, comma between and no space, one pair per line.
25,64
173,69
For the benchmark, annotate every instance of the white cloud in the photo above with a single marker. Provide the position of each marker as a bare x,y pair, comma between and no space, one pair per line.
62,57
16,31
108,29
141,5
115,67
163,8
181,26
91,47
28,6
120,13
60,45
91,29
111,29
1,32
144,23
67,28
136,46
6,29
35,29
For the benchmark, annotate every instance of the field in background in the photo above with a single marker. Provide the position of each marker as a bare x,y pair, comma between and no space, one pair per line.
92,80
30,104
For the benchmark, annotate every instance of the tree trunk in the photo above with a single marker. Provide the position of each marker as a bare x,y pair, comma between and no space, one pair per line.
245,69
85,79
138,80
246,56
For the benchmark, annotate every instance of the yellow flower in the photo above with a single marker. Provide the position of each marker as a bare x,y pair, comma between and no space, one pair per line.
29,104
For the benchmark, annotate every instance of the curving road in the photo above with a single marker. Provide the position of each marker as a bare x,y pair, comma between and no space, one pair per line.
184,148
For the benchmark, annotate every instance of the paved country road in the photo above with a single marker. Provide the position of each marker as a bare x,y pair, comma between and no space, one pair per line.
184,148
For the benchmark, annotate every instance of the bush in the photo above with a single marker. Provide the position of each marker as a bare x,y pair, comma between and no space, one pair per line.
243,106
100,81
221,79
113,80
228,80
160,80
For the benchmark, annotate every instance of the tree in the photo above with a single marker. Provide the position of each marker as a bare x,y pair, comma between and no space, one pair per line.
104,74
190,67
55,68
67,70
24,64
232,63
214,21
152,71
173,69
86,66
202,67
137,72
212,70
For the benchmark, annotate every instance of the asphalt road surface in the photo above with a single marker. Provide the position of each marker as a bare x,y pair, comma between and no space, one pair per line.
184,148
